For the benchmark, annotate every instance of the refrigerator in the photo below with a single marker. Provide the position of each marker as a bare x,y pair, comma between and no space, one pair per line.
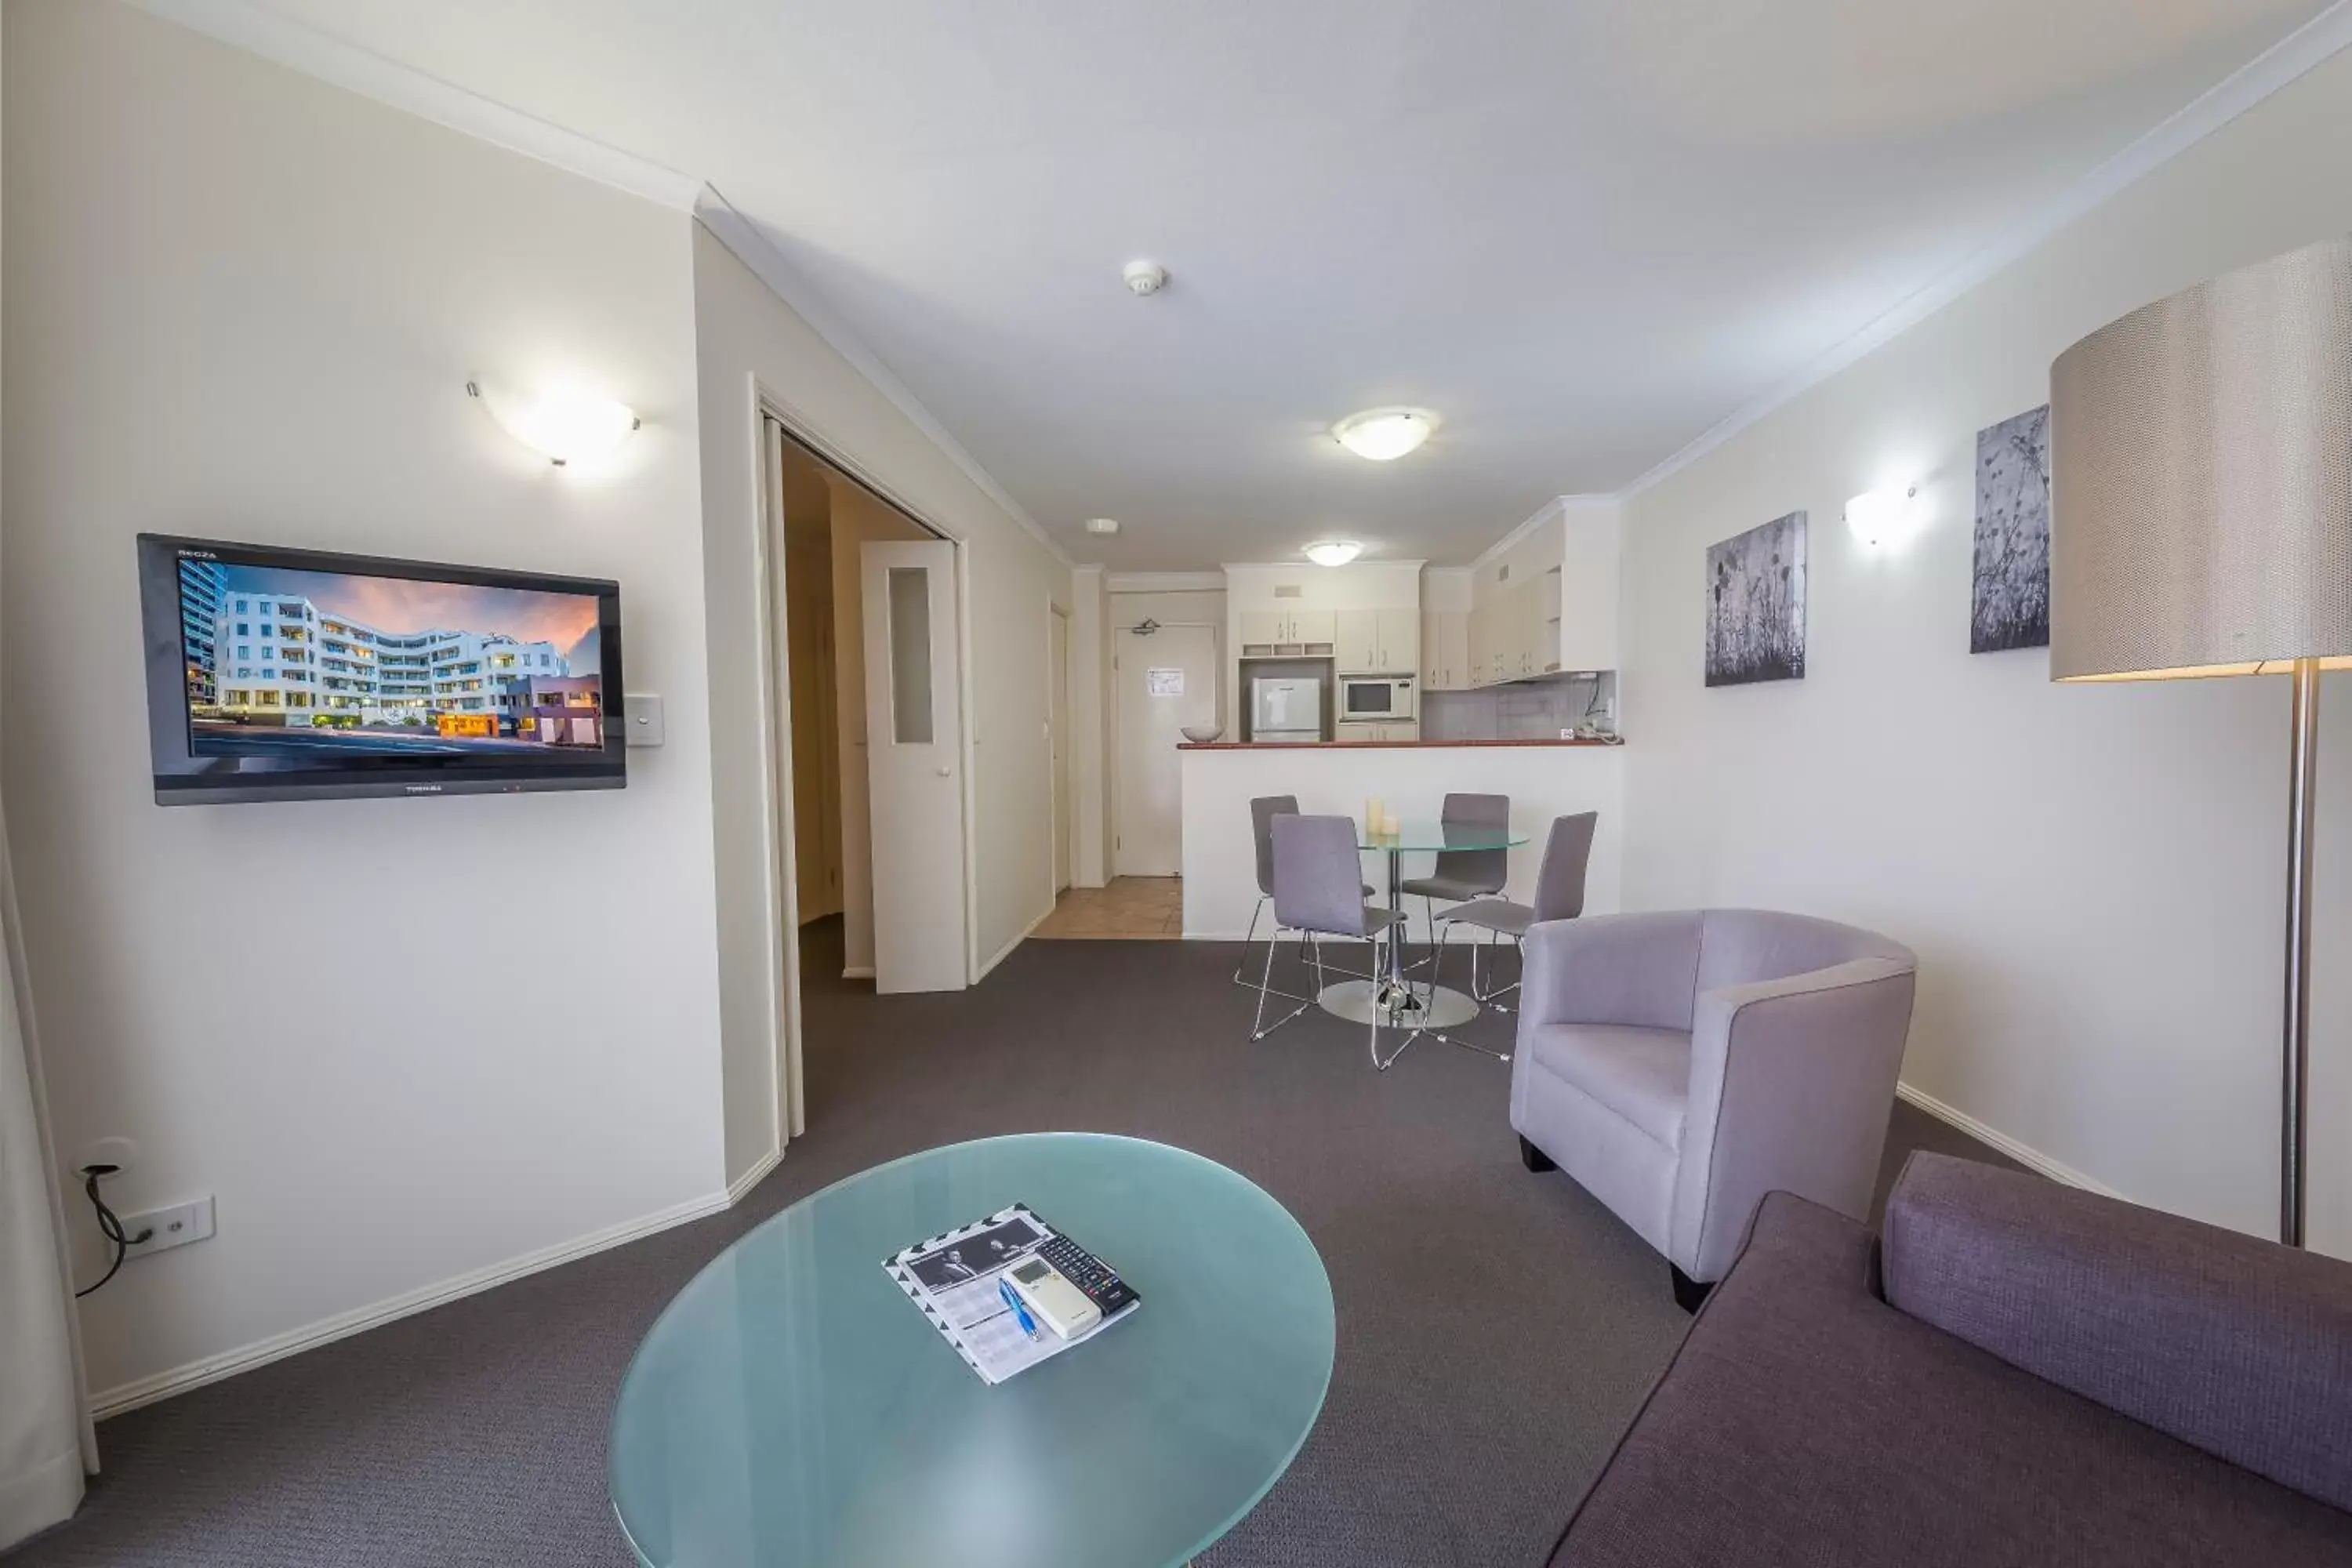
1286,708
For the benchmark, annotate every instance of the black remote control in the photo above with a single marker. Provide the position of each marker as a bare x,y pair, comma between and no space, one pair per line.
1095,1279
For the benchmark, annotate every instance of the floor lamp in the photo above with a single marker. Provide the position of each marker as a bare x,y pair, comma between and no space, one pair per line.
2201,525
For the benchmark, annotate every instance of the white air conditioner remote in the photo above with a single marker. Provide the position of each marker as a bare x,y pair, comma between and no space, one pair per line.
1063,1307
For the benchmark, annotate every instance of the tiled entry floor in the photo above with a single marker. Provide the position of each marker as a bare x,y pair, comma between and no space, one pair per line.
1128,907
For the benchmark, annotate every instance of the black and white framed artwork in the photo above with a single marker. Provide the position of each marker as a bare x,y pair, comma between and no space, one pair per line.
1756,604
2009,607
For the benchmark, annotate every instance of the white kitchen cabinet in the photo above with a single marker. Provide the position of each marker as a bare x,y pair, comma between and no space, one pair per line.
1480,641
1399,641
1528,618
1315,627
1356,642
1444,650
1288,631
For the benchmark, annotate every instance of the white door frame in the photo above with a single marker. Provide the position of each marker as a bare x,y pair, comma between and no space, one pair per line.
783,892
1111,753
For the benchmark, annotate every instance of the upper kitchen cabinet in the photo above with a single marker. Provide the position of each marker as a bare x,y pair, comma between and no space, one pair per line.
1365,618
1383,641
1287,632
1445,650
1357,646
1547,603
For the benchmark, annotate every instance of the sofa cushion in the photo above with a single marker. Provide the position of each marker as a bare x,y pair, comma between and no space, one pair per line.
2237,1345
1806,1422
1642,1074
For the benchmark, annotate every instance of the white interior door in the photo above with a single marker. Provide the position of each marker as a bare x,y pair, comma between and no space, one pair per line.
914,760
1166,680
1057,739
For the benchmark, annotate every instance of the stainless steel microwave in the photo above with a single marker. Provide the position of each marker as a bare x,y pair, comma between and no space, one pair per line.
1365,697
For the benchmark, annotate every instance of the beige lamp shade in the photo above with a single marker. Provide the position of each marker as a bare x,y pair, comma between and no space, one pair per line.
2201,467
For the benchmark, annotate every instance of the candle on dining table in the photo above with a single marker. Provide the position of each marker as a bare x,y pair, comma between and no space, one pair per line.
1375,814
1390,826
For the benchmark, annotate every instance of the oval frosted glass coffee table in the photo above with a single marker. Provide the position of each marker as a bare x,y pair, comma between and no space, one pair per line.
1390,996
792,1407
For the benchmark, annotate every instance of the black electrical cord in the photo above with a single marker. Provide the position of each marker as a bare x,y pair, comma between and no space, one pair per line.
108,1223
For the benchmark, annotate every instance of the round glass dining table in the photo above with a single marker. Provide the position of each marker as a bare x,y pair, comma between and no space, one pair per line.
793,1406
1388,996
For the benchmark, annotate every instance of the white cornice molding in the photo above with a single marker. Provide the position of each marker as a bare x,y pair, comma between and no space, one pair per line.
2241,89
260,31
1166,582
742,238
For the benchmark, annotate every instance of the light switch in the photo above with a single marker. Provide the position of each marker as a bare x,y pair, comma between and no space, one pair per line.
643,710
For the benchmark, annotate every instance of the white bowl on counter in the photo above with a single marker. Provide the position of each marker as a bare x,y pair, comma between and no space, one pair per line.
1201,734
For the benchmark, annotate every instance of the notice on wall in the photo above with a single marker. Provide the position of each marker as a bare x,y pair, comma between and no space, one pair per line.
1163,683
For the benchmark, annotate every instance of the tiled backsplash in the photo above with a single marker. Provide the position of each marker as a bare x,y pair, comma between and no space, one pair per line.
1521,710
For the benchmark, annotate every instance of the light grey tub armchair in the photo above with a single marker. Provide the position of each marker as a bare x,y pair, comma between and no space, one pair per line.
1679,1066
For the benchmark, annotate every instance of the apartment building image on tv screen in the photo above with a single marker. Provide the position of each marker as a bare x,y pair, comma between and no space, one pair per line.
296,672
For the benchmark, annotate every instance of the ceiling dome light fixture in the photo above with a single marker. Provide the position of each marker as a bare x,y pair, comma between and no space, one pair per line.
1334,551
565,424
1384,434
1102,525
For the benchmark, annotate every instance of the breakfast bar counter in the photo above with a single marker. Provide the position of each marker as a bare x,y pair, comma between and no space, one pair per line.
1545,779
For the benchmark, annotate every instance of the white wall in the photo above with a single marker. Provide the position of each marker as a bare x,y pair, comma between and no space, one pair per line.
2093,876
400,1041
745,332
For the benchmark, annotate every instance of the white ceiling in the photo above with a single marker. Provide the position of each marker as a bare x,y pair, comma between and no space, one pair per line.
1582,232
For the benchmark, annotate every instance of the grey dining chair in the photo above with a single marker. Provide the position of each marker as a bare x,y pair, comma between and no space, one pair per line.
1263,809
1462,875
1559,896
1318,891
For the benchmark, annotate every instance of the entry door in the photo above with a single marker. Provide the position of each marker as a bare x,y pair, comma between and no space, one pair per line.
1167,679
914,760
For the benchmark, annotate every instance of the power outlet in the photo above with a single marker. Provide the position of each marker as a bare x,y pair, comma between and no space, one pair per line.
174,1226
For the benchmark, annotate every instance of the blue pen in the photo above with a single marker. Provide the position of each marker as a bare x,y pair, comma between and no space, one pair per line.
1012,1300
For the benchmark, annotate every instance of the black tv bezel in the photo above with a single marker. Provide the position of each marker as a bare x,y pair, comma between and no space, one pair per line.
184,778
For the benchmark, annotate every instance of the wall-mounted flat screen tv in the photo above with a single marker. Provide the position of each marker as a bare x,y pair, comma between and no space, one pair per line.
297,674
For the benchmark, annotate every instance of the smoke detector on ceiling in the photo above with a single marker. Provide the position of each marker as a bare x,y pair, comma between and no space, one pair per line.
1145,278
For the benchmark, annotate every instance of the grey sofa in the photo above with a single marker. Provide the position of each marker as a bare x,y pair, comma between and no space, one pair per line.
2018,1373
1680,1066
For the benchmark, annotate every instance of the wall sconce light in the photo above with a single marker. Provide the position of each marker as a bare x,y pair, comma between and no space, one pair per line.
1879,516
563,424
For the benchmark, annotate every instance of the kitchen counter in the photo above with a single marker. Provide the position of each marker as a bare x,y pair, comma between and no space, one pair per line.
1371,745
1545,779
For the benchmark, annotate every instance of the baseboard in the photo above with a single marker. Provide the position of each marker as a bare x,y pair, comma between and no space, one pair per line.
740,1187
1006,951
857,971
2032,1159
343,1325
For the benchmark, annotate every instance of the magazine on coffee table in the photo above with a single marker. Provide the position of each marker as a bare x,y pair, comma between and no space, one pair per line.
952,1278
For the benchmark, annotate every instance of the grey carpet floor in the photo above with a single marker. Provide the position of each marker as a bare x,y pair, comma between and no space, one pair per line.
1461,1426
